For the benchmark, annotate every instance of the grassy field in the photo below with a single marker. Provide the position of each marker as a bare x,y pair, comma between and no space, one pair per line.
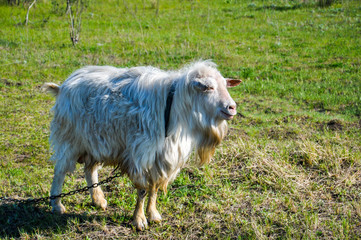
290,167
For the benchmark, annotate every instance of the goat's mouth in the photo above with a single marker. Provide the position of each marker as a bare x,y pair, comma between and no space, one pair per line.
227,115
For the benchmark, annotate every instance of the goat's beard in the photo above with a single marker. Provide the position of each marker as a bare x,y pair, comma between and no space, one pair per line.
209,139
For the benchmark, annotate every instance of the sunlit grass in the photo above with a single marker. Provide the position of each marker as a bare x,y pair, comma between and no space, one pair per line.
289,167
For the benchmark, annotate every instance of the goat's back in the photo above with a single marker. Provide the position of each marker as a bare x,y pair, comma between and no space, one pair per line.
110,114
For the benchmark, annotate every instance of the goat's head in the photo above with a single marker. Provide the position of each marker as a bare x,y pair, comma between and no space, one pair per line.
212,100
211,106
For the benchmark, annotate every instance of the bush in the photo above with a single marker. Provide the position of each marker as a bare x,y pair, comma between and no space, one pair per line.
325,3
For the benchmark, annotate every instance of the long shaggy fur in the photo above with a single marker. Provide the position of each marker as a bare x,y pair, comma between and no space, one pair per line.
116,117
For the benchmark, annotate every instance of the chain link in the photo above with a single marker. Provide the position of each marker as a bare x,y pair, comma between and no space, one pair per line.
44,199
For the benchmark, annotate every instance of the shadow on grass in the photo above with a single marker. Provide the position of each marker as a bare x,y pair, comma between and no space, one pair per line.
280,8
16,220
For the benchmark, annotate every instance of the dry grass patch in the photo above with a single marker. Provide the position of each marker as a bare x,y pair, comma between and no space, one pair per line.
305,186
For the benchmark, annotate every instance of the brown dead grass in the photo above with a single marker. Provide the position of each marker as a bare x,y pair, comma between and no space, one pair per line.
307,180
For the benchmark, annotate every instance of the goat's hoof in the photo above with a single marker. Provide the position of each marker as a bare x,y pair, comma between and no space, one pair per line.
59,209
154,217
102,203
140,223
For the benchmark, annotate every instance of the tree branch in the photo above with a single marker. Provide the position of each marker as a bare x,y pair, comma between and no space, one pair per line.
27,14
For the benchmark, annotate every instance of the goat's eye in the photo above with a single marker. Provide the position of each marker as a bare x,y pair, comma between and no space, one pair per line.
209,89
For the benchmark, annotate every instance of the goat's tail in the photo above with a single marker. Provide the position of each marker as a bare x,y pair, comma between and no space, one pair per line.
51,88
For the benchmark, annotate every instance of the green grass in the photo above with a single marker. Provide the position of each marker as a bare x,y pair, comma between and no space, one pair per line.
290,166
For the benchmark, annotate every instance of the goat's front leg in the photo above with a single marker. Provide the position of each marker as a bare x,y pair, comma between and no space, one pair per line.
139,220
152,211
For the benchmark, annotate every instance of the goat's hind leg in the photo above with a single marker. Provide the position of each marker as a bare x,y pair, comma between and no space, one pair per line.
91,176
56,188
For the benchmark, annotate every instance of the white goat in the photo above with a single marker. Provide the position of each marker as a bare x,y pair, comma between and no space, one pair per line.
112,116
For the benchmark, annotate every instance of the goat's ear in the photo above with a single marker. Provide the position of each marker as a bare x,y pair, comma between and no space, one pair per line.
233,82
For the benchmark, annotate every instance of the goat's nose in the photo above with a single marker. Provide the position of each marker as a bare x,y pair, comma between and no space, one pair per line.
232,107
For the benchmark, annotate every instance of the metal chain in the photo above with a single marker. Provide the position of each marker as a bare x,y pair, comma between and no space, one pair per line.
44,199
